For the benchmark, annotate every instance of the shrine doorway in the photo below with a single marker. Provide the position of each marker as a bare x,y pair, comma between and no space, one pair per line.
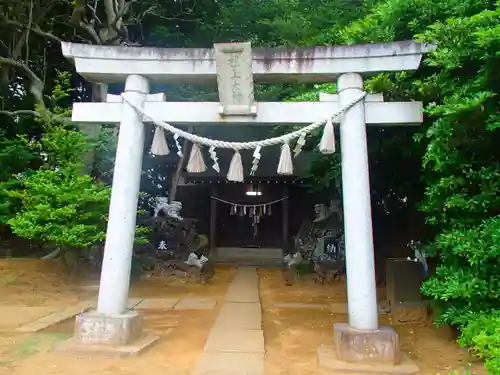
243,218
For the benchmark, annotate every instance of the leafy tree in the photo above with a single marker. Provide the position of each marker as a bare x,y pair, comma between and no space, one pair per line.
58,204
283,22
15,156
462,157
61,207
460,83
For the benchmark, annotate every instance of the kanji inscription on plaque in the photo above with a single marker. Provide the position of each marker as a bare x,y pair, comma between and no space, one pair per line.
235,79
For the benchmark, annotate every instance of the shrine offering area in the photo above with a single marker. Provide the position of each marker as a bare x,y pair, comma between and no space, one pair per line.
192,320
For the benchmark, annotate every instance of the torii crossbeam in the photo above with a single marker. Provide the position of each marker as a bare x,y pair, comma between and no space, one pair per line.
268,113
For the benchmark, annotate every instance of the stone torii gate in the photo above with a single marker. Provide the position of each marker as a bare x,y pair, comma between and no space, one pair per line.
235,67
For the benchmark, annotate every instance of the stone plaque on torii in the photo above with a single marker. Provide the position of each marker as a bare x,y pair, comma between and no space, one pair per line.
235,67
235,79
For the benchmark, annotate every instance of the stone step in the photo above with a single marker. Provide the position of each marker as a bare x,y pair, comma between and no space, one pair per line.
260,257
246,251
250,262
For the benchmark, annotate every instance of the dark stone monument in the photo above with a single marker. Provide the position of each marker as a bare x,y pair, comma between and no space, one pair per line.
404,280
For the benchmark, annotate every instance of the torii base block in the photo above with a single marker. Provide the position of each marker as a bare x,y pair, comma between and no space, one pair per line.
119,335
365,352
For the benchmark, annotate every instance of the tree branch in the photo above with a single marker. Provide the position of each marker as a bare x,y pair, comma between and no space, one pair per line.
115,10
29,112
20,112
119,15
94,15
89,29
36,86
28,29
34,28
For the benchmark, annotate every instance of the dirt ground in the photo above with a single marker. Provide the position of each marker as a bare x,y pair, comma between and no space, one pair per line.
37,283
291,335
34,283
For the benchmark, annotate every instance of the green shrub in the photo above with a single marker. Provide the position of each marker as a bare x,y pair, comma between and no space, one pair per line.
62,207
482,335
467,282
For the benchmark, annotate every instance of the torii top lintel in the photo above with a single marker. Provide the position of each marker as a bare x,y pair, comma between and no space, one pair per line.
112,64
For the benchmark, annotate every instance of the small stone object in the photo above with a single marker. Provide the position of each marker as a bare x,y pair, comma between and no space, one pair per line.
195,260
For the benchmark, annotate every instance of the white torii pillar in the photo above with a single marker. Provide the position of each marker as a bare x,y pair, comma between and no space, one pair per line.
112,325
120,234
360,263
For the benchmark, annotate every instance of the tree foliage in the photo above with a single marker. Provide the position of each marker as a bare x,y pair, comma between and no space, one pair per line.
57,203
61,207
459,83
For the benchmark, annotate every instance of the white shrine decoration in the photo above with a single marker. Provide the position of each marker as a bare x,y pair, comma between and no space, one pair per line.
235,67
254,211
196,163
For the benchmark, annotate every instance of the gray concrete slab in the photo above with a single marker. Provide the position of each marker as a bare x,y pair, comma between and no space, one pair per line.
230,364
235,341
195,303
239,316
235,345
242,295
56,317
12,317
245,286
157,304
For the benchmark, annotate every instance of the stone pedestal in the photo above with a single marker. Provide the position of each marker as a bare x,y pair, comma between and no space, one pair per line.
380,346
94,328
117,335
364,352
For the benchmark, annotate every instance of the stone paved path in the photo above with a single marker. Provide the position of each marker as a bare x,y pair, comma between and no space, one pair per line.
34,319
235,345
